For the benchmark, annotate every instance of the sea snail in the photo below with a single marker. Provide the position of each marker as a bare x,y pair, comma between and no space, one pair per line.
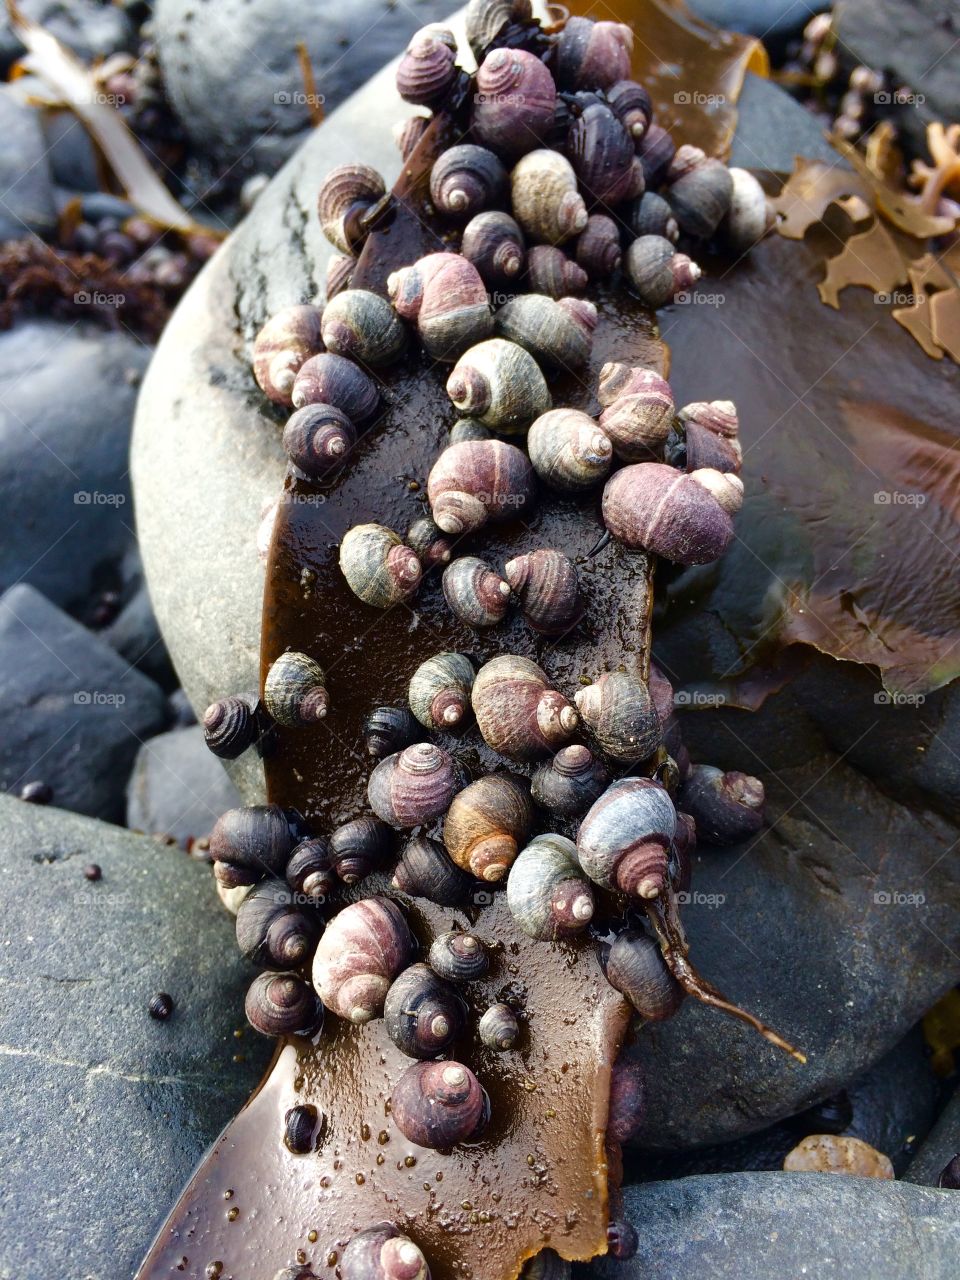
423,1014
439,692
294,692
699,190
347,196
317,439
310,871
635,967
624,840
558,334
231,725
517,712
282,1004
362,950
726,807
515,102
655,507
273,929
486,825
485,19
428,68
546,584
602,154
439,1104
545,199
498,1027
381,1252
379,568
550,271
413,787
388,730
632,104
657,272
285,342
598,247
249,843
479,480
593,55
426,871
362,326
475,593
547,893
637,412
446,297
465,180
568,785
428,541
459,957
335,380
711,435
569,451
494,243
358,847
620,715
500,384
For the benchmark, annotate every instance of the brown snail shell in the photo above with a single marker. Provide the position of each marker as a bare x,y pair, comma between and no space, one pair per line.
656,150
468,429
620,714
632,105
428,68
467,179
593,55
570,783
652,506
628,1100
294,692
459,956
407,134
282,1004
273,929
726,487
547,893
598,247
425,871
423,1014
439,1104
750,215
622,1240
638,412
387,730
380,570
486,825
603,156
558,334
359,847
551,272
499,1029
479,480
514,104
699,192
428,541
476,594
494,243
248,843
546,584
485,19
652,216
230,726
283,344
329,379
381,1252
348,194
414,786
362,950
447,298
657,272
727,807
545,199
517,712
624,840
711,430
339,273
635,967
569,452
310,871
439,692
500,384
317,439
362,326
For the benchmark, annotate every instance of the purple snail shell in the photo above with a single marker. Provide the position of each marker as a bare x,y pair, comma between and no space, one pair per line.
468,429
230,726
656,150
710,436
750,215
726,807
655,507
329,379
339,273
423,1014
635,967
317,439
500,384
413,787
359,847
514,104
387,730
547,893
603,156
428,68
494,243
439,690
593,55
498,1028
407,134
250,843
622,1240
550,271
348,194
445,295
425,871
362,950
310,871
428,541
275,931
657,272
485,19
652,216
517,712
282,346
699,191
467,179
558,334
569,784
624,840
628,1100
638,411
545,199
620,715
381,1252
475,593
362,326
486,824
546,584
294,691
479,480
439,1104
459,957
379,568
631,103
598,247
282,1004
569,452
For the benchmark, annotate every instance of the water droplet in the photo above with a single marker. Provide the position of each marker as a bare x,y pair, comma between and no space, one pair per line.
365,1132
383,1137
380,1157
410,1161
360,1179
212,1270
312,1236
228,1194
332,1257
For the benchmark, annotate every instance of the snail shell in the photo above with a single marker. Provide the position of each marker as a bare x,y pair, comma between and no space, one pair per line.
387,730
635,967
274,930
281,1004
569,451
428,68
653,506
652,216
467,179
550,271
727,807
439,692
294,692
382,1253
499,1029
546,584
517,712
624,839
425,871
362,326
545,199
359,955
302,1127
547,893
428,541
310,871
656,150
638,413
339,273
459,957
407,134
556,333
283,344
750,215
657,272
423,1014
631,103
593,55
514,104
500,384
439,1104
603,156
446,296
493,242
230,726
621,716
414,786
479,480
468,429
359,847
699,192
622,1240
628,1100
726,488
485,19
380,570
247,844
710,431
477,595
486,824
598,247
317,438
346,197
330,379
570,783
547,1265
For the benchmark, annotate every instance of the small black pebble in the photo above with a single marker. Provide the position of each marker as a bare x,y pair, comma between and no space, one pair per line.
93,872
36,793
949,1179
160,1006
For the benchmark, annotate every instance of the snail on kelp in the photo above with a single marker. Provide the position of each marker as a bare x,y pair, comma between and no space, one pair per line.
249,843
429,67
359,847
500,384
363,326
439,1104
655,507
282,1004
275,930
424,1015
475,593
624,840
547,893
635,966
387,730
381,1252
545,199
494,243
546,584
620,715
231,725
570,783
699,191
295,691
317,439
459,957
479,480
348,195
282,346
428,540
334,380
415,786
362,950
486,825
727,807
446,298
498,1027
637,412
311,871
467,179
425,870
569,451
518,714
515,102
657,271
379,568
558,334
550,271
439,691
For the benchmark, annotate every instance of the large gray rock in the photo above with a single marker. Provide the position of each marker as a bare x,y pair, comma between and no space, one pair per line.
764,18
773,129
27,203
178,788
72,712
106,1111
91,28
941,1146
67,396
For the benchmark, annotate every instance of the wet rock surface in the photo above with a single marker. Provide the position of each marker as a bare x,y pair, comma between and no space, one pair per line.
106,1110
26,183
764,18
773,129
941,1145
178,788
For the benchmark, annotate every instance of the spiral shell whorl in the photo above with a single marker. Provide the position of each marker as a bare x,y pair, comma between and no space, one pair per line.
285,342
517,712
330,379
551,272
546,584
486,824
545,199
494,243
569,452
652,506
557,333
439,1104
475,593
479,480
363,949
624,840
413,787
439,691
570,783
500,384
429,66
515,102
348,192
620,714
380,570
318,438
294,692
466,179
547,893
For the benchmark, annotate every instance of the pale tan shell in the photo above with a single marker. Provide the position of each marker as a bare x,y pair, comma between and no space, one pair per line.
500,384
378,566
750,216
569,452
837,1153
725,486
285,342
517,712
439,692
546,202
348,192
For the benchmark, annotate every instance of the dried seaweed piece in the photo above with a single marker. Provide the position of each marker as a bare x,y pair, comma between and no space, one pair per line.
869,258
915,217
945,322
809,191
943,176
